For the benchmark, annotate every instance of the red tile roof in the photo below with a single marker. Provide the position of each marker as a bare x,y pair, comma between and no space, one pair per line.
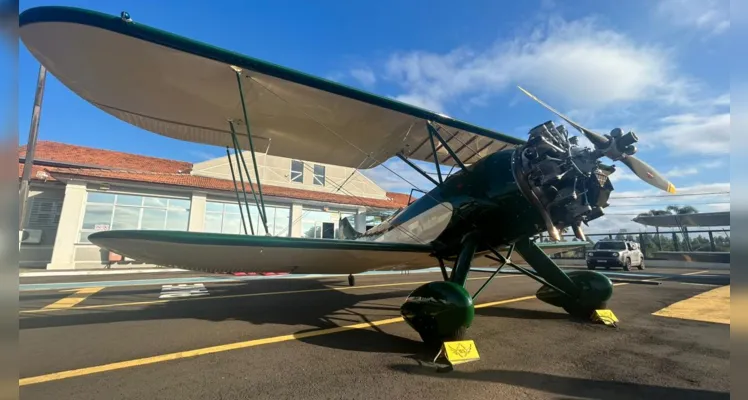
117,166
400,198
80,155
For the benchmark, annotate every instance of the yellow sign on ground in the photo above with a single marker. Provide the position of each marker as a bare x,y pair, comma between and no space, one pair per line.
459,352
712,306
605,316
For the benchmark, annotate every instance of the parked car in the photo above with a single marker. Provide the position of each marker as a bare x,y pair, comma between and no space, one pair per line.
615,253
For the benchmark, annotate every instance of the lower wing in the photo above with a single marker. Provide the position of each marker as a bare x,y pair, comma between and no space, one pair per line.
210,252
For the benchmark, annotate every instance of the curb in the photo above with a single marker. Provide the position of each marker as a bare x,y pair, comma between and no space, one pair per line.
99,272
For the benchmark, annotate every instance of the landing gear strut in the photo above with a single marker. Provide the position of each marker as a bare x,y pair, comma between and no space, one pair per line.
443,311
579,293
351,280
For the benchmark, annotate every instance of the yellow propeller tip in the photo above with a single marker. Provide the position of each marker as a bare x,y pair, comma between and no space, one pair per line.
670,188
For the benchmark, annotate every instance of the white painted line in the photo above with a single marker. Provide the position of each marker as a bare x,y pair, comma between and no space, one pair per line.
183,290
97,272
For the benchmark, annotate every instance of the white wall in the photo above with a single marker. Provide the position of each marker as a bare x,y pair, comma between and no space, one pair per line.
276,171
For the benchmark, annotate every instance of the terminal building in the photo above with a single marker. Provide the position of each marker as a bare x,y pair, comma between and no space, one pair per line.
75,191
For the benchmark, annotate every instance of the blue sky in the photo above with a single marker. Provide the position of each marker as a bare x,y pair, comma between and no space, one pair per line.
658,68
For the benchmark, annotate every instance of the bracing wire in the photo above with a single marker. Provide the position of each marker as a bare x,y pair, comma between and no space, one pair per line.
367,155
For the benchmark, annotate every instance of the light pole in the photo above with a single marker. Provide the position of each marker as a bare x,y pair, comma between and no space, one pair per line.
30,149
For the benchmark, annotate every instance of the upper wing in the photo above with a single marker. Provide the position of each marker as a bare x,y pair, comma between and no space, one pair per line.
212,252
187,90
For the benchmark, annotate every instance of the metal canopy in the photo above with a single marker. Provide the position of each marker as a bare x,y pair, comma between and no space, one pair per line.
187,90
686,220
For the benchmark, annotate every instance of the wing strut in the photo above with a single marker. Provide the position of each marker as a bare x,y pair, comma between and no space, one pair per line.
443,144
237,151
433,132
418,169
261,204
436,158
236,189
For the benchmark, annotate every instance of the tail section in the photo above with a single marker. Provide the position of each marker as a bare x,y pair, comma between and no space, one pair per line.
347,230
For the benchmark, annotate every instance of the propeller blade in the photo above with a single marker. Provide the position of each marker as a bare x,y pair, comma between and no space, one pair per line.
648,174
599,141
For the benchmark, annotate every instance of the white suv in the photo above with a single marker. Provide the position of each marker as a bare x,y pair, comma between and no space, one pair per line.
615,253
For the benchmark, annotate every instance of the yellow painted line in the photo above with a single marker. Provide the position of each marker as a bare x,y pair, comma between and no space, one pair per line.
222,348
711,306
75,298
234,296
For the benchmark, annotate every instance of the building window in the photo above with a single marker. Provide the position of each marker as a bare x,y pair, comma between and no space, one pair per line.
322,224
319,175
109,211
44,213
226,218
297,171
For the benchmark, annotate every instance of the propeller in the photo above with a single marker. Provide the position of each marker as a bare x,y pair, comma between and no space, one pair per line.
618,147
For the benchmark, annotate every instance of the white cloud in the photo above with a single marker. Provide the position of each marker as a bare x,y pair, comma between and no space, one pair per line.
421,100
723,100
711,16
695,134
586,66
680,172
365,76
334,76
623,173
713,164
693,170
201,155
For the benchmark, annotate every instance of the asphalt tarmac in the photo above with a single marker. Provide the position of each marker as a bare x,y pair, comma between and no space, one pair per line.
318,338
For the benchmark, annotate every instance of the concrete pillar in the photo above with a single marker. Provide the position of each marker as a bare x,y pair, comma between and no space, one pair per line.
71,218
361,220
197,212
296,212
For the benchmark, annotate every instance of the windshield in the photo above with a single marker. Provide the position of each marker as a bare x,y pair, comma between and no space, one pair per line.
610,246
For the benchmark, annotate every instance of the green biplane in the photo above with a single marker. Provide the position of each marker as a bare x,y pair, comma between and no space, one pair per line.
505,192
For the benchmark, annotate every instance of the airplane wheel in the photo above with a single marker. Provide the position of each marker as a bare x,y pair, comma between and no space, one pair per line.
351,280
439,312
596,290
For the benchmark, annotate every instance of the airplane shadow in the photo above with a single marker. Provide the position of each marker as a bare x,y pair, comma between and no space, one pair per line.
316,305
508,312
566,386
283,302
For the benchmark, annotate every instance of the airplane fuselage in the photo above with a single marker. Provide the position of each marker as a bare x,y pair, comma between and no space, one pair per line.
504,197
486,198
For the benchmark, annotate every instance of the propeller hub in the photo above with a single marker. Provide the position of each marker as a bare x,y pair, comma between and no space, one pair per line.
627,140
618,147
